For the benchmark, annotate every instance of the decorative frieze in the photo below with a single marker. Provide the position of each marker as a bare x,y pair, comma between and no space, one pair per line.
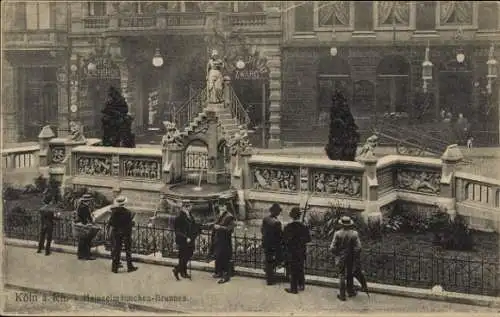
57,154
93,165
418,181
275,179
324,182
385,180
143,168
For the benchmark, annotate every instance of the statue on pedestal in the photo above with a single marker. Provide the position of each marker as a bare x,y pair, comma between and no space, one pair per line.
172,135
215,91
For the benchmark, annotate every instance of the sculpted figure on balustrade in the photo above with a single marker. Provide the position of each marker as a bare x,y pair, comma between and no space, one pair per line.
215,79
172,135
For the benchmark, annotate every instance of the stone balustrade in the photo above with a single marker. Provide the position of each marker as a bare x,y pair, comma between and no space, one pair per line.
478,199
367,185
21,157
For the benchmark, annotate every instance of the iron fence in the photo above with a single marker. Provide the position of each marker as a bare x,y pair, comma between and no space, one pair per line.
423,270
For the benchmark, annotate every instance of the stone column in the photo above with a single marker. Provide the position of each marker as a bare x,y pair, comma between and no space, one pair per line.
43,139
213,170
63,102
370,188
274,63
74,91
450,158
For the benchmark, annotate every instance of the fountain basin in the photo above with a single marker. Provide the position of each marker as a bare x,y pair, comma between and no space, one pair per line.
195,195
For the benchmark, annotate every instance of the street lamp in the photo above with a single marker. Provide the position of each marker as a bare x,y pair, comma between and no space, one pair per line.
426,69
240,64
333,51
492,68
460,56
157,59
91,67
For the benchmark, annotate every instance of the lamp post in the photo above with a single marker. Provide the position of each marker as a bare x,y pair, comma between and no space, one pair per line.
157,59
426,69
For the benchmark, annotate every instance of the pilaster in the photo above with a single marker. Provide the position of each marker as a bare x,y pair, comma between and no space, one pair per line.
450,158
274,64
63,104
370,188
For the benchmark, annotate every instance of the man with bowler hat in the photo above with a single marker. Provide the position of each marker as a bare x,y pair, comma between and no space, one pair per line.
186,231
47,217
223,246
84,217
122,221
345,245
296,235
272,242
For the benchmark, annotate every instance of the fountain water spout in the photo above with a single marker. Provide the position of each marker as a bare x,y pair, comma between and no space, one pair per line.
198,188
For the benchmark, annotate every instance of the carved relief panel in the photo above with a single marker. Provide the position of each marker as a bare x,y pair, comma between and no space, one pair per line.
418,181
277,179
93,165
327,183
57,154
143,168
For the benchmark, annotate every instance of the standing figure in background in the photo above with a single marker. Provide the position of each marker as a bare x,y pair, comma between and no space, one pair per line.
272,242
47,217
296,235
84,217
223,246
215,92
122,222
345,245
186,231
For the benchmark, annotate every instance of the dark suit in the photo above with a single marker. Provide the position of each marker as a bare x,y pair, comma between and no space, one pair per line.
272,243
346,245
84,216
47,218
223,246
296,235
121,221
185,227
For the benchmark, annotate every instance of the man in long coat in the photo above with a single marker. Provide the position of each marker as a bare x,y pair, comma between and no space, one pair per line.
122,222
84,216
345,246
296,235
47,218
186,231
272,242
223,246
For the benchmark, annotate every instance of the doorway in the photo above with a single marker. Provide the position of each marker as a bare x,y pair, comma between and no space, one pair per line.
254,97
455,92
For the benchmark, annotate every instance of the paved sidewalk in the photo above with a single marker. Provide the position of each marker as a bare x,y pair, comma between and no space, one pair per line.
65,274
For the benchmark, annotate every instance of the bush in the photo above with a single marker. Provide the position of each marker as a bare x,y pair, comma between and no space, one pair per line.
10,193
71,196
401,220
41,184
324,225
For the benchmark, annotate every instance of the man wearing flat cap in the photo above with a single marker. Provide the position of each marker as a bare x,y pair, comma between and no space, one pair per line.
186,231
296,235
84,216
48,215
122,222
345,246
272,242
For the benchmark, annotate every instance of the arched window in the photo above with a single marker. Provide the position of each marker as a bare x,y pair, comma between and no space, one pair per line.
333,74
393,84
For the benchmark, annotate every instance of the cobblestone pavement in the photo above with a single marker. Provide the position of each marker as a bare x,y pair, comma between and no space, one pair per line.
157,288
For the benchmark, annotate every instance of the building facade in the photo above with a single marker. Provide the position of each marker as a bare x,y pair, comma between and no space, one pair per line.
60,58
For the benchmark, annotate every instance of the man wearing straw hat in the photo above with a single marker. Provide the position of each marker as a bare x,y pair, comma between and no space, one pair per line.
345,245
84,217
186,231
296,235
122,221
272,242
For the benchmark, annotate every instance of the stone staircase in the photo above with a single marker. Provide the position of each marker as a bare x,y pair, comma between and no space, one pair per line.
189,116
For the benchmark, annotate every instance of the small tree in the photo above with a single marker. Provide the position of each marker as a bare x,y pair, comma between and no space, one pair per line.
116,122
343,137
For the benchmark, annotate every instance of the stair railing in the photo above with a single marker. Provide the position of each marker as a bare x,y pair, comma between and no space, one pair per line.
237,110
190,109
